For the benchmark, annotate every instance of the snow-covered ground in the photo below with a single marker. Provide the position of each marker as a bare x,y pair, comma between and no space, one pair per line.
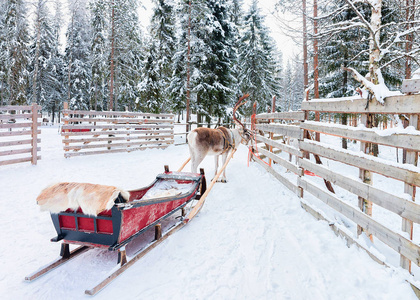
252,240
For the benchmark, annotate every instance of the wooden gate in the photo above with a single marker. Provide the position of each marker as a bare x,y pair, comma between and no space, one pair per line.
97,132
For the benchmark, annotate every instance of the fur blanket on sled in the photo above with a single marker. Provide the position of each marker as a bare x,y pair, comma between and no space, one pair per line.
91,198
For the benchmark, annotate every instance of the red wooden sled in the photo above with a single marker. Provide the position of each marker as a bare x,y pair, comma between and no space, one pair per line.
116,227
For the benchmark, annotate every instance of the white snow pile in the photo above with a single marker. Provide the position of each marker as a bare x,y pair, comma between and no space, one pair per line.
251,240
167,188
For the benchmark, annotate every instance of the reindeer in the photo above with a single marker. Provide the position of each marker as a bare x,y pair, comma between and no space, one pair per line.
218,142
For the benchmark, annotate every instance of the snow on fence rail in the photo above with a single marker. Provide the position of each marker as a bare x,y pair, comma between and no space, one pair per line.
19,130
295,126
97,132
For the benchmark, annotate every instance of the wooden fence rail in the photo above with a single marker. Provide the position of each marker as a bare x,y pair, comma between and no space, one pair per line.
97,132
327,150
19,128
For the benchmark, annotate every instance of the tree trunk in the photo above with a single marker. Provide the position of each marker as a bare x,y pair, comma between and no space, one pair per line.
36,58
410,14
374,51
111,85
305,53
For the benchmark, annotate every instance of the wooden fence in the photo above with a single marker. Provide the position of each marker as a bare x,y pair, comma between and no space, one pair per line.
97,132
19,130
298,146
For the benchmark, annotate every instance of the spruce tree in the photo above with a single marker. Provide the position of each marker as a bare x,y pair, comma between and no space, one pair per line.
99,54
56,66
128,54
193,26
42,46
157,70
3,55
257,60
214,89
77,56
17,53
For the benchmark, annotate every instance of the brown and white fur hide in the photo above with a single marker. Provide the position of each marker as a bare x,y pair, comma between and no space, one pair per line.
91,198
206,141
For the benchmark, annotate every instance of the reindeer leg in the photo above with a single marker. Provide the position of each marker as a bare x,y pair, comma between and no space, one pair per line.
224,157
196,159
216,164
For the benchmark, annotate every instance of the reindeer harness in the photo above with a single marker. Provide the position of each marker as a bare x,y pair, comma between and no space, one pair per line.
227,138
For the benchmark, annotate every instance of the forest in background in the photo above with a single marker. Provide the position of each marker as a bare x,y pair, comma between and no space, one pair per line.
206,51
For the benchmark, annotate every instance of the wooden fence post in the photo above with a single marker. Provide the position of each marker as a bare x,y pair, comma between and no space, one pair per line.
66,122
407,225
273,109
34,133
365,175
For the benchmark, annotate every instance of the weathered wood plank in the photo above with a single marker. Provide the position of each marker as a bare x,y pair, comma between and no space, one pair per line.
116,145
394,203
406,173
120,120
292,115
18,133
283,147
290,185
402,104
120,138
401,140
17,151
17,143
17,125
115,113
17,116
117,132
289,130
35,125
407,223
70,154
116,126
389,237
18,107
281,161
17,160
410,86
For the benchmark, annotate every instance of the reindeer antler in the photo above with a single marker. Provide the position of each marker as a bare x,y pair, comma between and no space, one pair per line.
237,105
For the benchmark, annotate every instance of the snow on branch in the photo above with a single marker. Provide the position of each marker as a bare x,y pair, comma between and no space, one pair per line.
363,20
379,91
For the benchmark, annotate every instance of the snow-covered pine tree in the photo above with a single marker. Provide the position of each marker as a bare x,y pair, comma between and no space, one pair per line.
42,45
17,53
160,50
214,86
56,66
128,54
191,31
257,60
99,54
346,48
77,55
3,55
236,18
347,44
